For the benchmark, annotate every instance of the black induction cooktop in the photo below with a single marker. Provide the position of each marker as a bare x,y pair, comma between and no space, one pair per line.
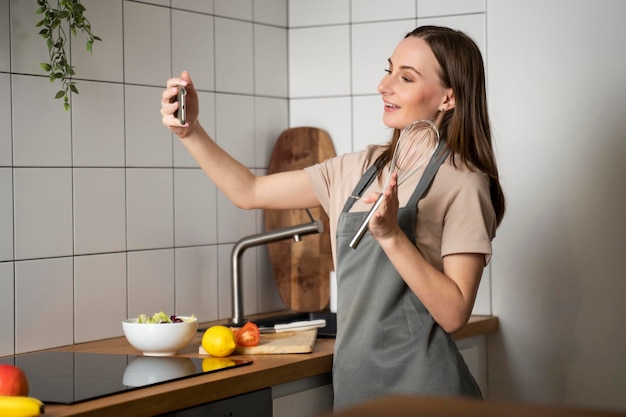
72,377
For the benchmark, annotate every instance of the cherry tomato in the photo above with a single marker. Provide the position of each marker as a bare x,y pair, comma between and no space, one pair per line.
249,335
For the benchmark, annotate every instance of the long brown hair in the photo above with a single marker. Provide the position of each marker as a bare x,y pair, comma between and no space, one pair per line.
465,128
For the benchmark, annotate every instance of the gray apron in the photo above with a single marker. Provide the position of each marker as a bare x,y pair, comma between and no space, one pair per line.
387,342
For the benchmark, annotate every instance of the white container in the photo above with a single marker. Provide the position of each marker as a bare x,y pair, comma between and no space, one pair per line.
160,339
333,292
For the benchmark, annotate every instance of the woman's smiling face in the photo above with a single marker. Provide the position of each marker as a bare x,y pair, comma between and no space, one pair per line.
411,89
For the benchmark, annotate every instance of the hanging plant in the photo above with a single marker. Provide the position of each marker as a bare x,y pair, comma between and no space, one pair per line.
53,31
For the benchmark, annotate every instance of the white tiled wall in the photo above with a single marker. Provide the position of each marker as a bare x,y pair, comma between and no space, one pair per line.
102,210
234,52
43,212
5,43
7,306
239,9
315,13
376,11
44,308
100,295
99,210
98,141
147,46
5,117
6,214
48,141
187,27
103,215
105,63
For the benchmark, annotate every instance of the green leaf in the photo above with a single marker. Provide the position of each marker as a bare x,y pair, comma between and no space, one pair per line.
67,16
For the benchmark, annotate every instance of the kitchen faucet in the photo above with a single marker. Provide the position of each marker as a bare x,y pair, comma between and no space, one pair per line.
295,232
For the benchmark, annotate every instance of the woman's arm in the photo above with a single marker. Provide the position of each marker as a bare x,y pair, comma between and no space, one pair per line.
287,190
449,295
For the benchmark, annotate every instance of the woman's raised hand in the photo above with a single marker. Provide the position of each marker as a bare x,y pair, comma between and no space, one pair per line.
384,223
169,105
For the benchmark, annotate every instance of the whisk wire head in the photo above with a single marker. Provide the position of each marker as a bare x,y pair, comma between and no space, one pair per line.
414,148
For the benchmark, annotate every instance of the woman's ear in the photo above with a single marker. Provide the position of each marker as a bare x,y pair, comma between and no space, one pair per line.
448,102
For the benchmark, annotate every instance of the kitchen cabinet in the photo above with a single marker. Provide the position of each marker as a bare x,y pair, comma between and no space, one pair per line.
258,404
307,397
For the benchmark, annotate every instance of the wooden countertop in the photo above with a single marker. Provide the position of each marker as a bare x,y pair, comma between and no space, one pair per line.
265,372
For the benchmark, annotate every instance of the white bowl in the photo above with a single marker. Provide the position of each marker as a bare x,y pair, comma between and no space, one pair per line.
159,339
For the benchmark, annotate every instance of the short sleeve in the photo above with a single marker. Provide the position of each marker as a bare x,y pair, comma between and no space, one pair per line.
469,223
319,178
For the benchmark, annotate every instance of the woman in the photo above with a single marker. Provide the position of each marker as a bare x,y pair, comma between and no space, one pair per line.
413,278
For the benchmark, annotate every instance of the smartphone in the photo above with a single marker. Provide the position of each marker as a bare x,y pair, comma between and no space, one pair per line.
181,113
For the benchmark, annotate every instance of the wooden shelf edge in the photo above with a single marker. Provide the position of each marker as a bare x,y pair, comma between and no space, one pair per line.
478,325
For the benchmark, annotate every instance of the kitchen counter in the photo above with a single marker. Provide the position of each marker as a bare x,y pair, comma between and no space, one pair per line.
265,372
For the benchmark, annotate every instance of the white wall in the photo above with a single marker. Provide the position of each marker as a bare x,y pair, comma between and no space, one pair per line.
102,214
557,93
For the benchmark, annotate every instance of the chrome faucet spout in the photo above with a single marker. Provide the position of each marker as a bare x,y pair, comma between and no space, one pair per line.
295,232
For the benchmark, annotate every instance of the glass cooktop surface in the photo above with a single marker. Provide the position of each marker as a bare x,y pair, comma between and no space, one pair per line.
71,377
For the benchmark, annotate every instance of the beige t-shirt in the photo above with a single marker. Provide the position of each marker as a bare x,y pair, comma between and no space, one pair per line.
454,216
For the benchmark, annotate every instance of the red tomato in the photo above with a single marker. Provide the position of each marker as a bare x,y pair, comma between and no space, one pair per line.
249,335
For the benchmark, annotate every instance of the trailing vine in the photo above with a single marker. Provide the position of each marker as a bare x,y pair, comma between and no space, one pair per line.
53,31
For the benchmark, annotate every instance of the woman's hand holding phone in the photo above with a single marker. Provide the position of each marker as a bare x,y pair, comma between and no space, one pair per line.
179,106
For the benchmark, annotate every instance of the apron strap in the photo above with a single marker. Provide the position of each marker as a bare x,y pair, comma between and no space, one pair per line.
435,162
424,182
361,186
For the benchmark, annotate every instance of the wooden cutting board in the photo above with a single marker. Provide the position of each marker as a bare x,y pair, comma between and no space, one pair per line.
301,269
277,343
